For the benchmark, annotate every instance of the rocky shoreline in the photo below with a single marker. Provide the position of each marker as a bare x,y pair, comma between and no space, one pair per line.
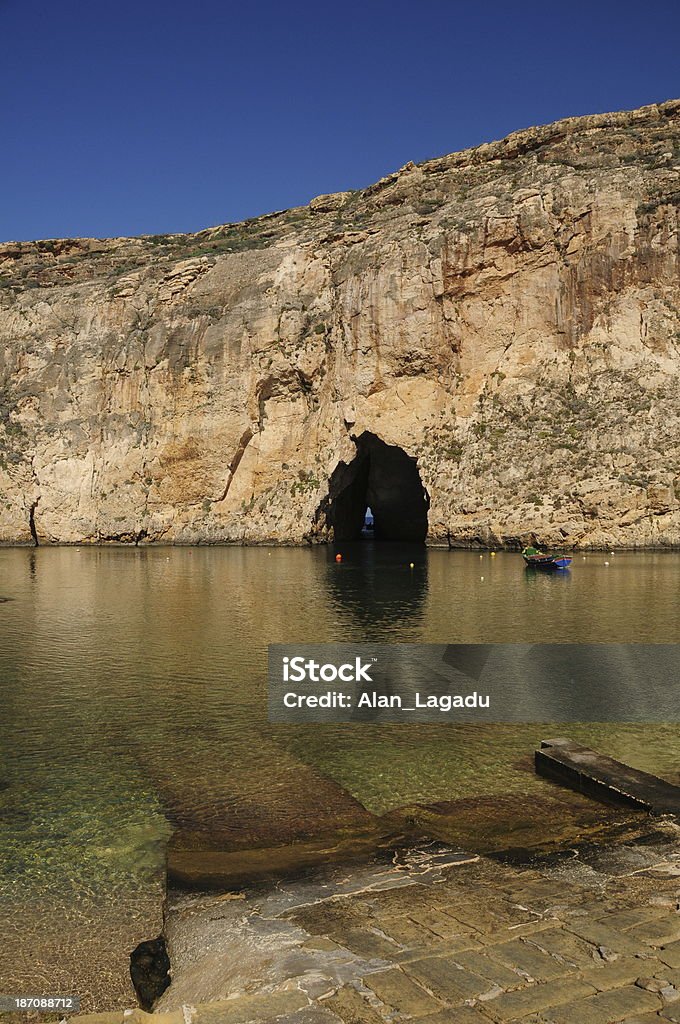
472,545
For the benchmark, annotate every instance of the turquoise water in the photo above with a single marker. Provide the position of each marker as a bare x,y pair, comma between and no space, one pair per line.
130,674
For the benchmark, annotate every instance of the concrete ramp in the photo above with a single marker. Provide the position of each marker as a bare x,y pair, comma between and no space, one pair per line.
605,779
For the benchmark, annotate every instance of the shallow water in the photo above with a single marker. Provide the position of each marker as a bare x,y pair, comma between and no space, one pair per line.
127,672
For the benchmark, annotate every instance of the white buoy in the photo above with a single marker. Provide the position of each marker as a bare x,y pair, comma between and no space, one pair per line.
481,578
606,563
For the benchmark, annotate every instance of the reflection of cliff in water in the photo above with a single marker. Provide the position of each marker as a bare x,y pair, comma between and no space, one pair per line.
376,585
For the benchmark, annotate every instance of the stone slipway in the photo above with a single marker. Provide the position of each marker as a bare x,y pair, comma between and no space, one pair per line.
235,825
599,776
223,841
592,937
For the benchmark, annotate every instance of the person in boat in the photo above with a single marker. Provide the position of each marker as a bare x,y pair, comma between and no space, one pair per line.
530,552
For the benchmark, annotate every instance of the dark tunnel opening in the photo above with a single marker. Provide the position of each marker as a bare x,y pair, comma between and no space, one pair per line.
385,479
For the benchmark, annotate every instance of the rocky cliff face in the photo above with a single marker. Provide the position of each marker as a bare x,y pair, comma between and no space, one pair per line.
508,316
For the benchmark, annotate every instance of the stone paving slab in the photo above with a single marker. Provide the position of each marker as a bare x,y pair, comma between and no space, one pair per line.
637,916
671,974
446,981
622,972
455,944
659,932
369,943
352,1008
495,972
604,1008
565,947
461,1015
523,956
443,921
670,954
600,934
400,992
409,933
513,1005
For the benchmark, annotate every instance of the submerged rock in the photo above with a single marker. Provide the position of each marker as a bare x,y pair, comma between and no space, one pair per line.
150,971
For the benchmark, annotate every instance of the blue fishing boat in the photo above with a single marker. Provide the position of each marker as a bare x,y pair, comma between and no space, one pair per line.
535,559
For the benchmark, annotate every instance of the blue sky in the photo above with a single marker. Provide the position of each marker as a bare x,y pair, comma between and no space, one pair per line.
155,116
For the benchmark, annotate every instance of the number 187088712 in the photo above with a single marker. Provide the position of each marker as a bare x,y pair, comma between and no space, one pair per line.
19,1004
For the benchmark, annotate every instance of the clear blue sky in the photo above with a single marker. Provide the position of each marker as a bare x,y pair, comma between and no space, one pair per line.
123,117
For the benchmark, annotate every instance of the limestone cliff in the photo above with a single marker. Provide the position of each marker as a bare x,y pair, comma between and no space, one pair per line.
508,316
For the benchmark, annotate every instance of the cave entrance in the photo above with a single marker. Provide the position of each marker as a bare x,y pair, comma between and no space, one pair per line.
379,495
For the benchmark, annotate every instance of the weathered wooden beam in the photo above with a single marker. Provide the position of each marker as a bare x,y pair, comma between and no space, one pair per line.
605,779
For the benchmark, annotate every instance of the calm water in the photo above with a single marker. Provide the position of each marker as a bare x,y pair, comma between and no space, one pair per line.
126,675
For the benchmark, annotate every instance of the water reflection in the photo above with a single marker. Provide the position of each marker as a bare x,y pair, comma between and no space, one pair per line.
379,589
547,577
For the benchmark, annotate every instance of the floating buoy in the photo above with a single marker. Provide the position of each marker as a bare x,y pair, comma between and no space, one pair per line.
481,556
338,558
606,563
493,554
481,578
411,565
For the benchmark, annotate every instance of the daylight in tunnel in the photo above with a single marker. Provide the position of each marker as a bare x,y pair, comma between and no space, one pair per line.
383,481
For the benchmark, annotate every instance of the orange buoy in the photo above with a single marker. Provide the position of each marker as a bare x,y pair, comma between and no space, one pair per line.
338,558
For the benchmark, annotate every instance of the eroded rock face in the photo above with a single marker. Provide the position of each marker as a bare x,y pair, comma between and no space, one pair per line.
508,316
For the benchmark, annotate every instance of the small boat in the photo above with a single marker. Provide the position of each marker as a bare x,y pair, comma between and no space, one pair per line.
536,559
